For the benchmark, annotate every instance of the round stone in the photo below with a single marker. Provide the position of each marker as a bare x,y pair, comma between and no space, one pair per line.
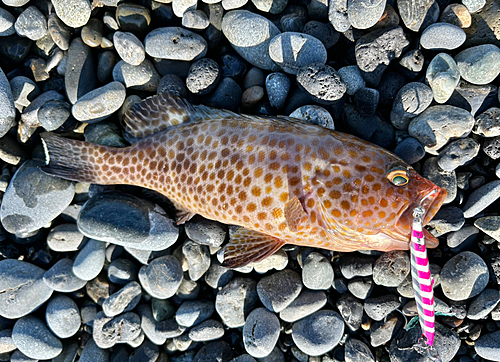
479,64
464,276
31,23
411,100
352,78
356,266
410,150
206,331
193,312
129,47
321,82
73,13
391,268
317,272
364,14
90,260
175,43
142,77
318,333
31,337
380,307
324,32
488,346
162,277
250,34
203,76
292,51
195,19
122,271
99,103
92,33
305,304
179,7
457,153
63,316
91,353
314,115
174,84
227,95
443,77
277,88
483,304
278,290
442,36
60,277
24,289
64,238
474,5
109,331
488,123
260,332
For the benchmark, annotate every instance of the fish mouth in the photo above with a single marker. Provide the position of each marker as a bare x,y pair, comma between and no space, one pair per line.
432,201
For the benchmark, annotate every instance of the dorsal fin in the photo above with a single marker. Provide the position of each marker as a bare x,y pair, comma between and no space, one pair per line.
155,114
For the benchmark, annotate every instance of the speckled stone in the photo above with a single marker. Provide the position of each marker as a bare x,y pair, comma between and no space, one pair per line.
442,76
175,43
260,332
278,290
63,316
129,47
143,77
32,337
442,36
100,103
479,64
73,13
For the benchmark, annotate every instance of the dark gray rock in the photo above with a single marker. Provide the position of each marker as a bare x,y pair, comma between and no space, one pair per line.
385,330
314,115
488,346
206,232
277,88
174,84
357,351
227,95
214,351
366,101
59,33
305,304
474,98
351,311
60,277
322,31
410,150
105,63
31,337
146,352
411,100
445,179
380,307
7,21
463,239
122,271
356,266
278,290
448,218
361,287
93,353
197,257
352,78
483,304
457,153
488,123
157,329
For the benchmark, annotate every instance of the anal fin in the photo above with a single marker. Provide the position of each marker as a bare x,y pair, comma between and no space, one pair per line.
295,214
183,216
248,246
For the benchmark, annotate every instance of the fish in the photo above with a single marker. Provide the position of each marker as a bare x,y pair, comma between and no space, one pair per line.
283,181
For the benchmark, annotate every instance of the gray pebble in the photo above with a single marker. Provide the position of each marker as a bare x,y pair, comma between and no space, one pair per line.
357,351
380,307
366,101
410,150
203,76
122,271
188,290
431,126
356,266
277,88
11,151
73,13
254,77
175,43
80,75
193,312
305,304
217,276
60,277
483,304
60,34
292,51
174,84
315,115
464,276
146,352
18,356
391,268
487,123
139,77
478,65
351,311
63,316
206,331
227,95
6,343
92,353
129,47
338,15
123,300
318,333
490,225
90,260
385,330
317,272
250,34
414,13
457,153
195,19
411,100
352,78
481,198
278,290
197,257
106,63
179,7
108,331
214,351
69,352
270,6
99,289
99,103
321,82
53,114
322,31
442,36
405,289
443,77
364,14
6,23
444,179
260,332
31,337
411,63
488,346
162,277
7,108
235,300
24,289
158,330
31,23
361,287
448,218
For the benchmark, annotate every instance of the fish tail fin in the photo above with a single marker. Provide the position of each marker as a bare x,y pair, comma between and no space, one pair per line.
77,160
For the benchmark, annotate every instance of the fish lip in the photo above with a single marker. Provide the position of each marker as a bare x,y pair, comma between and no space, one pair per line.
432,203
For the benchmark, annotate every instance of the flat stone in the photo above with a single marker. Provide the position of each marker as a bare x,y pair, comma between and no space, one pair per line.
448,218
63,316
122,271
380,307
474,98
175,43
193,312
317,272
305,304
361,288
481,198
410,101
260,332
158,330
31,23
74,13
59,32
456,14
100,103
444,179
477,65
124,300
235,300
357,351
93,353
31,337
414,12
7,107
60,277
442,36
129,47
142,77
80,75
483,304
278,290
351,311
457,153
488,346
65,237
90,260
162,277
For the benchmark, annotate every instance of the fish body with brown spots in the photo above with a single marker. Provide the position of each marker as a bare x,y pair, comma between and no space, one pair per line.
283,181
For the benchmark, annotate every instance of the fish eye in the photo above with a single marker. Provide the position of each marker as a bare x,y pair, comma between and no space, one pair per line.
398,177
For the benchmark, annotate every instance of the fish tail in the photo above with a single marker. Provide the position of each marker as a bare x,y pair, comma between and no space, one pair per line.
78,160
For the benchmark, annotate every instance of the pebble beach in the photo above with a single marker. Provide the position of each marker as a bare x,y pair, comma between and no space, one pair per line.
96,273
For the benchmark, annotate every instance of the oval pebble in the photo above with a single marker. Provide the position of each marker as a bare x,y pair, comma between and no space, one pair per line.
488,346
108,331
443,77
100,103
32,337
479,64
122,271
364,14
162,277
317,272
260,332
357,351
203,76
277,88
315,115
206,331
63,316
175,43
292,51
380,307
31,23
321,82
305,304
464,276
60,277
278,290
142,77
91,353
90,260
235,300
483,304
391,268
129,47
193,312
442,36
318,333
73,13
481,198
410,150
7,21
410,101
123,300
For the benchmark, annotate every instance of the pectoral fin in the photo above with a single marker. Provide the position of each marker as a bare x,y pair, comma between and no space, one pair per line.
248,246
295,214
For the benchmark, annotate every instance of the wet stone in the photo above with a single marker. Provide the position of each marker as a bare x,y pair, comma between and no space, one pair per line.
292,51
464,276
364,14
60,277
391,268
314,115
108,331
443,77
235,300
481,198
123,300
477,65
162,277
250,34
133,18
73,13
63,316
193,312
129,47
58,31
31,337
442,36
318,333
488,123
203,77
99,103
278,290
92,33
448,218
483,304
142,77
122,271
352,78
457,153
321,82
305,304
410,150
90,260
260,332
175,43
411,100
361,287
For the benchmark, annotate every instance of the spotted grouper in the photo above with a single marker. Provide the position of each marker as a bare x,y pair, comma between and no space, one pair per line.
283,181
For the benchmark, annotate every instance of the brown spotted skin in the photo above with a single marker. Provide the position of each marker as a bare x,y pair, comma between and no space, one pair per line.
245,173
